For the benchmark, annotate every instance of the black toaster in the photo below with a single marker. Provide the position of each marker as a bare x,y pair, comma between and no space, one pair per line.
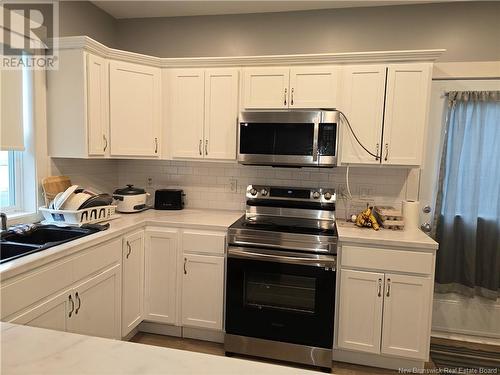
169,199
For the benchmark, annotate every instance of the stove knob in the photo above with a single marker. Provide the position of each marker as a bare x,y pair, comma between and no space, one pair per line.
316,195
253,191
264,192
327,195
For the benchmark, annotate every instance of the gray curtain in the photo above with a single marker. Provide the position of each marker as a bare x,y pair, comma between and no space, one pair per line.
467,217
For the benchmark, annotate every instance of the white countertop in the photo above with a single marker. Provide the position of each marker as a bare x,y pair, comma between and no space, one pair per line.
207,219
414,239
29,350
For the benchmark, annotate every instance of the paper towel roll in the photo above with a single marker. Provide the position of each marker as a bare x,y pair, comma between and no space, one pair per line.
411,215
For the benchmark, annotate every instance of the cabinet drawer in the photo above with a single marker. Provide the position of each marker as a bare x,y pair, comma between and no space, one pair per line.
387,259
34,286
97,258
204,242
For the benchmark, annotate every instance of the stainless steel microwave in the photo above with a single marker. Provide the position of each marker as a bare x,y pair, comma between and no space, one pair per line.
288,138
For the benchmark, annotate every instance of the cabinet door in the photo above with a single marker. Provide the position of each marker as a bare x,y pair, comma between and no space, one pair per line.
407,314
363,104
98,305
266,87
187,112
51,314
221,113
161,276
314,87
360,310
203,291
408,91
133,281
134,109
97,105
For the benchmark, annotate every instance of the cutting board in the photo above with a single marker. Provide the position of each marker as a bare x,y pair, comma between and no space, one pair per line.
52,185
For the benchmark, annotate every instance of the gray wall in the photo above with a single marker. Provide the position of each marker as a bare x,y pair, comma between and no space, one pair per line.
469,31
84,18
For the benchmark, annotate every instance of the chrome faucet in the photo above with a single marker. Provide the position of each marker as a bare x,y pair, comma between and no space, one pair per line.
4,221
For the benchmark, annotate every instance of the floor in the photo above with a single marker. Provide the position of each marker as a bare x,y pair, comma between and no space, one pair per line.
339,368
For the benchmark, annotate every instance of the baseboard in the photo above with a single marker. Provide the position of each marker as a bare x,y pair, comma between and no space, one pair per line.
186,332
203,334
376,360
160,329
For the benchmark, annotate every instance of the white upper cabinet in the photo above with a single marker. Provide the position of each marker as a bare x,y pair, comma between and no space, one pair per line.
203,113
97,105
406,108
78,106
407,300
186,91
266,87
284,87
387,107
362,98
314,87
135,112
360,311
221,113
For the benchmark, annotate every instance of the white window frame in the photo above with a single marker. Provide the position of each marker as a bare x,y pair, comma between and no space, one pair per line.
16,184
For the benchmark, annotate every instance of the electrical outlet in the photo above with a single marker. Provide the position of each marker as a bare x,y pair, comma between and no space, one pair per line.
233,185
366,192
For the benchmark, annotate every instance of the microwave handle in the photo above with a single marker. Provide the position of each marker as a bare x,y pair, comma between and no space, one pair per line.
315,140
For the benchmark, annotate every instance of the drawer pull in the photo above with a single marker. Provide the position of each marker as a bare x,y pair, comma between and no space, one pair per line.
379,288
129,249
79,303
388,294
72,305
185,261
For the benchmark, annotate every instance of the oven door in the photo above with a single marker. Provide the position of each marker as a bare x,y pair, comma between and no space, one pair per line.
280,296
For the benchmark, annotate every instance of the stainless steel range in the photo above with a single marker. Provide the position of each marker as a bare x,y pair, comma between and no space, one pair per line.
280,286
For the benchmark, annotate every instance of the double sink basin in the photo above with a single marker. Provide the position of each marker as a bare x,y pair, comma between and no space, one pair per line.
14,245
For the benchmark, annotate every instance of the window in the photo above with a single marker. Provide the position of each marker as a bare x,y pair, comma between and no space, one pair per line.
10,181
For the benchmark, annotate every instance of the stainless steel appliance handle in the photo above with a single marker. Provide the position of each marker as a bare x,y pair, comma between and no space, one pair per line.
323,261
315,140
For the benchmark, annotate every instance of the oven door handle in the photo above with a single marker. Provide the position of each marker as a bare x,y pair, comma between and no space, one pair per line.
322,261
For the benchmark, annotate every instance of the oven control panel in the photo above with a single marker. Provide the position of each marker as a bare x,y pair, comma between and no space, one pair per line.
322,195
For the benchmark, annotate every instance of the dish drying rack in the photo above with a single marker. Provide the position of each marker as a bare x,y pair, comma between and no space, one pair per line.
89,215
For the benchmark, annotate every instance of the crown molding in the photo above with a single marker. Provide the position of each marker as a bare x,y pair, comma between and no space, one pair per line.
92,46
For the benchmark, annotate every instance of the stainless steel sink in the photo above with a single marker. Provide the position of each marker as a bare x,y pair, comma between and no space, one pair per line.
15,245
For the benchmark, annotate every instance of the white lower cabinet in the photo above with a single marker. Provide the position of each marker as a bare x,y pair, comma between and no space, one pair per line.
203,291
385,313
133,281
360,316
161,275
97,305
406,316
51,314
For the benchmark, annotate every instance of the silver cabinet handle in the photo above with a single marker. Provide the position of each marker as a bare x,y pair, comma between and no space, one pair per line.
379,288
79,303
129,249
284,101
376,152
206,146
185,270
388,294
72,305
199,147
156,145
386,151
105,143
291,100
